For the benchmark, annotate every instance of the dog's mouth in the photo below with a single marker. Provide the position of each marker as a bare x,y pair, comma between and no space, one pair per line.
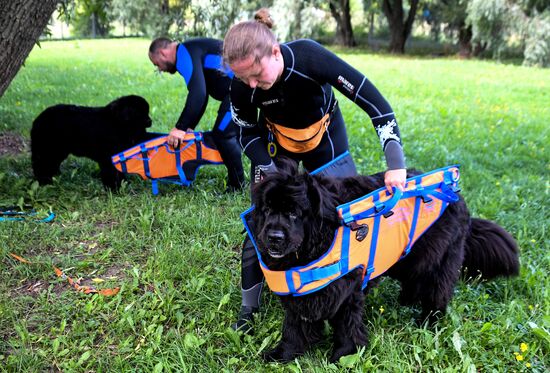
275,254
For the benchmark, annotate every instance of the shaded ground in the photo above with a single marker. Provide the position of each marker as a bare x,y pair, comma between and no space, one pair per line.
12,144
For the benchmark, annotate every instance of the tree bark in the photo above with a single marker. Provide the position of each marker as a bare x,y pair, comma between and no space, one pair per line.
400,27
465,40
340,10
22,22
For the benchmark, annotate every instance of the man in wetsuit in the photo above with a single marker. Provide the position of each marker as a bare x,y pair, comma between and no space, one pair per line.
198,61
291,85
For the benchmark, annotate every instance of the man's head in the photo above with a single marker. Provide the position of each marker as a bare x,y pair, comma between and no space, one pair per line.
162,53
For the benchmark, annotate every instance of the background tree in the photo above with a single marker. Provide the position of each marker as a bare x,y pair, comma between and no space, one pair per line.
340,10
151,17
537,44
90,18
22,23
212,17
450,16
371,8
400,26
488,19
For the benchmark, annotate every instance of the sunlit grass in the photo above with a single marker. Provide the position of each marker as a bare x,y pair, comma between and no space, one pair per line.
176,256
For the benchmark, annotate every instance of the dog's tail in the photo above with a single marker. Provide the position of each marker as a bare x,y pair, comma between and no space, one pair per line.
490,251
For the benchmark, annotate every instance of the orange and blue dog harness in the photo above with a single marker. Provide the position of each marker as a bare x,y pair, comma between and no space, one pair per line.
160,162
376,231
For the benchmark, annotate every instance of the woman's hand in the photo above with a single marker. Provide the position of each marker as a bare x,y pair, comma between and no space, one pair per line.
395,178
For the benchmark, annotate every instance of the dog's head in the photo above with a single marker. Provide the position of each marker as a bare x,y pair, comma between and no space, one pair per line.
131,113
294,213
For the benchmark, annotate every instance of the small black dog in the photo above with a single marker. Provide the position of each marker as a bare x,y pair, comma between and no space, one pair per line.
294,223
93,132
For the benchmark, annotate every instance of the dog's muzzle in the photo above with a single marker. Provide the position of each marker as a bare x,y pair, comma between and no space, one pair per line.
275,242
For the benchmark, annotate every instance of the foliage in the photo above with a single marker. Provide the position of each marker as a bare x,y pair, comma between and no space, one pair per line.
499,24
90,18
537,45
488,19
213,17
176,256
151,17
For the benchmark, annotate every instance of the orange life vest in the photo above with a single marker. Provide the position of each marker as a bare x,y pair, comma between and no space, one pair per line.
377,231
158,161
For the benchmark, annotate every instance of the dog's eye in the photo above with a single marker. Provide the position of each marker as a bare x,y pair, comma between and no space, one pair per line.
292,216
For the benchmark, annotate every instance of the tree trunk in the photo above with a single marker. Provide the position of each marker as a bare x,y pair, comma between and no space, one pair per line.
465,40
22,23
340,10
400,27
371,28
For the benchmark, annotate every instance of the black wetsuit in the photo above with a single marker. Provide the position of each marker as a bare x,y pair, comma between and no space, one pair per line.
199,62
301,97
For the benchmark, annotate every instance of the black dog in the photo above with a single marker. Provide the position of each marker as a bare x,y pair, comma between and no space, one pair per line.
93,132
294,223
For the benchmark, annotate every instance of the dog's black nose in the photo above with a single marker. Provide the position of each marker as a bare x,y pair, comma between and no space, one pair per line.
275,236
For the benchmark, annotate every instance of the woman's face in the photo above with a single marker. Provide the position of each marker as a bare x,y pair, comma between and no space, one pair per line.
262,74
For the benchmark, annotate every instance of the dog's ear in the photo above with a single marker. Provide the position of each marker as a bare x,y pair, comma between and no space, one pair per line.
120,111
323,202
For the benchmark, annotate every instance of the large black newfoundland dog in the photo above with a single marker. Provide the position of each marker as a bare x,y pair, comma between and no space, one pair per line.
294,223
93,132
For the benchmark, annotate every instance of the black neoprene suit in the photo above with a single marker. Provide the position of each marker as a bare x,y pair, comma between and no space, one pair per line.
199,62
302,96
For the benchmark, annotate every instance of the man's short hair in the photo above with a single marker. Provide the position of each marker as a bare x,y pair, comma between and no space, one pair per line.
159,43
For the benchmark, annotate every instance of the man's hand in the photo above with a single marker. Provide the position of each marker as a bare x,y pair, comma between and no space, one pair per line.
395,178
175,137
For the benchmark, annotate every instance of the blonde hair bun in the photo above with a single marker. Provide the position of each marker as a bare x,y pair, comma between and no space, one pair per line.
263,16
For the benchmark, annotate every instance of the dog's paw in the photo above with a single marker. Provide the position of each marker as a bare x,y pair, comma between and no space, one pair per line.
278,354
343,350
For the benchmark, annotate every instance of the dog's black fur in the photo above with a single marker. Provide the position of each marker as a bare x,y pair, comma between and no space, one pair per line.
93,132
294,222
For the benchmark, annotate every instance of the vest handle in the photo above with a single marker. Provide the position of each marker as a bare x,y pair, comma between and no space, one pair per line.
386,206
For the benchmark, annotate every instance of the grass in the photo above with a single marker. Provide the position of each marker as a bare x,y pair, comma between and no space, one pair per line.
176,256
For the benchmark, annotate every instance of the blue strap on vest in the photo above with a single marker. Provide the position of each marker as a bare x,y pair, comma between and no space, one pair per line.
10,214
123,163
145,160
319,273
154,187
373,246
447,194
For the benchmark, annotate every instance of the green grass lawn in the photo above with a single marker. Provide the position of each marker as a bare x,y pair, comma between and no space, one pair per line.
176,256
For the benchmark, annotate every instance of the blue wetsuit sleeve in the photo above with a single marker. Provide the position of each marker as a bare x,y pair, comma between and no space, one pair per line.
197,96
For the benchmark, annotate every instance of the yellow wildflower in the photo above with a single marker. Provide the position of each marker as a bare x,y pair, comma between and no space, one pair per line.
519,357
381,309
523,347
528,365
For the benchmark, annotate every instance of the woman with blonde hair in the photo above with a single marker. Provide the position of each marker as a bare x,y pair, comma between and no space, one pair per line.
283,102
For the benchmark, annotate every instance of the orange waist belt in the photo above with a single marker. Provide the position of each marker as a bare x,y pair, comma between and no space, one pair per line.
377,231
158,161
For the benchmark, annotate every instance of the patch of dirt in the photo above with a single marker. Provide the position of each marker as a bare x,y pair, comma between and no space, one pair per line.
12,144
34,288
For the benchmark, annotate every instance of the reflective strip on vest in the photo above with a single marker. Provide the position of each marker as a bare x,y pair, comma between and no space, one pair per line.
377,231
